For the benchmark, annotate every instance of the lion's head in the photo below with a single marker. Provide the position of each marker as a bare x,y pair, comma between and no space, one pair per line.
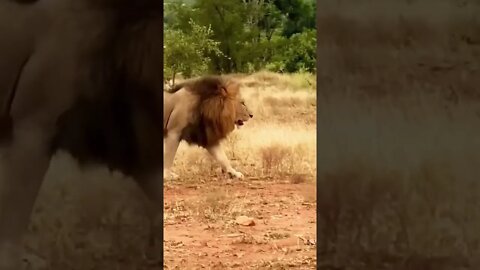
242,112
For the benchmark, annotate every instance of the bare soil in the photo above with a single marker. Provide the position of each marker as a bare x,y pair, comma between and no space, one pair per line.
200,231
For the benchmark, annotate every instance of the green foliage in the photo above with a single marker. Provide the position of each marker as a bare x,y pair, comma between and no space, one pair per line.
186,53
300,15
247,36
298,54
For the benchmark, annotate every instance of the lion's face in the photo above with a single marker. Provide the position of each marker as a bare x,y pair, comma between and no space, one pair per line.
242,112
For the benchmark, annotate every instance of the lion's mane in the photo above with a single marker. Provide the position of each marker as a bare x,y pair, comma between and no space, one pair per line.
215,113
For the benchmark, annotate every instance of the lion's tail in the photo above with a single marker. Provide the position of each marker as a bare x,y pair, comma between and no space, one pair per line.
175,88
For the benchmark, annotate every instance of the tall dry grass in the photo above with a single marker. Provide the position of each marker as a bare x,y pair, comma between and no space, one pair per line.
398,121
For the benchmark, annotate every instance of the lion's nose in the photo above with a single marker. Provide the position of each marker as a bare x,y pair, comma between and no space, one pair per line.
251,115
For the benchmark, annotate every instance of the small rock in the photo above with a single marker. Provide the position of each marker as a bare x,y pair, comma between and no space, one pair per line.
233,235
245,221
239,255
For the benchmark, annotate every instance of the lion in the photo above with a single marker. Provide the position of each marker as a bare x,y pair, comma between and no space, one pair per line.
79,76
202,112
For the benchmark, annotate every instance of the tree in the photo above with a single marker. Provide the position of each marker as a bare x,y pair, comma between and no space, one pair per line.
250,34
186,53
297,53
300,15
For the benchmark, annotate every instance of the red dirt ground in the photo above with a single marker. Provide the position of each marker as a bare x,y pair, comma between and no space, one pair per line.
283,237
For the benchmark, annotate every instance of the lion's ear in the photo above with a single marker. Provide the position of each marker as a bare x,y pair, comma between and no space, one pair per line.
223,91
233,88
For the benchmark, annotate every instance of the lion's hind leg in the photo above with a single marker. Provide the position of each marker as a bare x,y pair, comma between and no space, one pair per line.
177,121
171,143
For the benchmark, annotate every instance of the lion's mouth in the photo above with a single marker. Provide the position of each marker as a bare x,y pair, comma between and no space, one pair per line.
239,123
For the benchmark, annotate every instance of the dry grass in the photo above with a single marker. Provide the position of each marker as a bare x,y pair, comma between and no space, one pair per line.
293,82
398,132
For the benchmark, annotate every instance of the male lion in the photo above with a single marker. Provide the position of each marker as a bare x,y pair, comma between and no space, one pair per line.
79,75
202,112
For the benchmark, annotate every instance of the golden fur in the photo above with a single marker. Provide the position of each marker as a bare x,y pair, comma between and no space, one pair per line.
203,112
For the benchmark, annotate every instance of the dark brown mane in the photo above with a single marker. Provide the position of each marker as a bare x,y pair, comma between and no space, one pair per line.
216,109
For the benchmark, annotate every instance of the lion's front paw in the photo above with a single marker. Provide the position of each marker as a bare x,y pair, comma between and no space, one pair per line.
169,175
234,174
